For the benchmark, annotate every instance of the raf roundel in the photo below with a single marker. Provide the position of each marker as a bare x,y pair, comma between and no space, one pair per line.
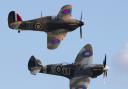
55,41
66,11
86,53
58,69
38,26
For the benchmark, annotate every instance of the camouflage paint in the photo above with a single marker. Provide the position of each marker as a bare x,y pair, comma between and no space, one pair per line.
86,53
54,39
55,32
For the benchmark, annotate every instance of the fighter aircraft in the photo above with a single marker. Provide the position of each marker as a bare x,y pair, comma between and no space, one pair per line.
56,27
79,73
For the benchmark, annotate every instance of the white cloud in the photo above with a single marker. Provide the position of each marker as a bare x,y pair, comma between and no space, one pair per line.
119,67
121,58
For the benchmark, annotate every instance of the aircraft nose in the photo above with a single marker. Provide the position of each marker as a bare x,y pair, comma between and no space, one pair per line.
81,23
106,68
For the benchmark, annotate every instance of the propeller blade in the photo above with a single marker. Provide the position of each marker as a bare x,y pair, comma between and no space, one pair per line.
80,26
106,73
104,62
80,32
81,16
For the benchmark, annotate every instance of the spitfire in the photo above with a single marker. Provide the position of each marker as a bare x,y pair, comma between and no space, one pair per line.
56,27
79,73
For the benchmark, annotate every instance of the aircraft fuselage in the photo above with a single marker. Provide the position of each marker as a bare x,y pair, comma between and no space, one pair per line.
71,70
49,24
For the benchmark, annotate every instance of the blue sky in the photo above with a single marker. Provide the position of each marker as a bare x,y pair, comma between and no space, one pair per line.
106,29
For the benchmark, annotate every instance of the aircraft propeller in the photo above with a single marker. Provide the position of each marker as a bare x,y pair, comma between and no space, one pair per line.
81,25
105,67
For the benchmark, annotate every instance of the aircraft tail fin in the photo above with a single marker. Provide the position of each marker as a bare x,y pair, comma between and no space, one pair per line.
34,65
13,17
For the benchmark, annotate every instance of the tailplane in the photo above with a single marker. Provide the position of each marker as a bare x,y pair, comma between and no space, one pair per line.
13,17
34,65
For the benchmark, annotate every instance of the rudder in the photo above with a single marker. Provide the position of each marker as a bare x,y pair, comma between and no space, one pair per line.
34,65
13,17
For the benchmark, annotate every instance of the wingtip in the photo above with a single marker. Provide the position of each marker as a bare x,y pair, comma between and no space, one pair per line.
88,46
51,48
67,5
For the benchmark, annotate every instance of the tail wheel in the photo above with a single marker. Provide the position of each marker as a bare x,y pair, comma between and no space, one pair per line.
18,31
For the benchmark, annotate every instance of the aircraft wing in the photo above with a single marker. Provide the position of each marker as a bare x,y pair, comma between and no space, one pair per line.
85,56
54,38
65,12
80,83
